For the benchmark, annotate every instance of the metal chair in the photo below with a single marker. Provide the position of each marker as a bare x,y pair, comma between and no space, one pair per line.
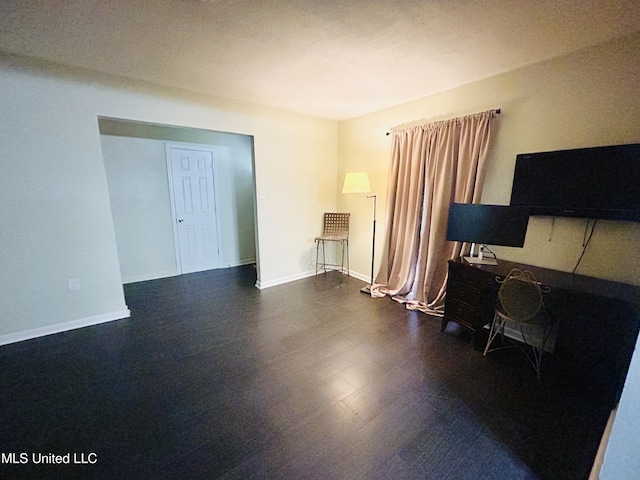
520,306
335,228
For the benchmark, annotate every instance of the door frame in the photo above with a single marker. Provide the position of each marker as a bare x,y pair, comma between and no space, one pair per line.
174,219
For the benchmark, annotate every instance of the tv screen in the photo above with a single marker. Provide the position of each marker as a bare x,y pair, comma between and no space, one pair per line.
600,182
487,224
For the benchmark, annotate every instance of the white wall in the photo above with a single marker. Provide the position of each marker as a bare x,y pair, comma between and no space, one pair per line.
56,213
621,460
56,219
139,195
139,192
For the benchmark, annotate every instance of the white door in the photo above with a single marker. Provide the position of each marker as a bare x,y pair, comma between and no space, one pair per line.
191,180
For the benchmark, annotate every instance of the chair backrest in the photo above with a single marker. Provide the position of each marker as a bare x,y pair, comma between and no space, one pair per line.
336,225
520,296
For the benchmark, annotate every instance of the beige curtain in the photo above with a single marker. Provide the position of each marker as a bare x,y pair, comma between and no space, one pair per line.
431,166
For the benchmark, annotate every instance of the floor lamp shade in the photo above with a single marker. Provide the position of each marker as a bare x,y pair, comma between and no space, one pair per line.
356,182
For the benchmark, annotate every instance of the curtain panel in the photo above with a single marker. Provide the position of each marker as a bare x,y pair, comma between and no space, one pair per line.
431,166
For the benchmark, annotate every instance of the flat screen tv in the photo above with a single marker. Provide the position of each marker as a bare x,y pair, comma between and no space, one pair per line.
487,225
599,182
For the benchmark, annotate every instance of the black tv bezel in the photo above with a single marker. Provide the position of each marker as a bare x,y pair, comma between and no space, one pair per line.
600,155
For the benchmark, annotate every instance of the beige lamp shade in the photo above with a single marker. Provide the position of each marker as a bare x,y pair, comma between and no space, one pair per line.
356,182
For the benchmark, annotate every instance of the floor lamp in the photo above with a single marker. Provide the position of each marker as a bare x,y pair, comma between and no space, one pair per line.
358,183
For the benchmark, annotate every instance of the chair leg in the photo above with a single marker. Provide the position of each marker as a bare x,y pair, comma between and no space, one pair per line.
537,361
348,270
317,258
320,266
343,266
535,358
345,257
324,258
538,352
494,330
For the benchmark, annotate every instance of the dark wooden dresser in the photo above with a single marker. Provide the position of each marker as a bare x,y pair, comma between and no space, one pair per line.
598,320
470,290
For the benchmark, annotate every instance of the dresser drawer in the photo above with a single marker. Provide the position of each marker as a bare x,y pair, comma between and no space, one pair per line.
463,293
459,312
488,279
463,274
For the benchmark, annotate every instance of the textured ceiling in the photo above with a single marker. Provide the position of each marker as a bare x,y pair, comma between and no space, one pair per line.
335,59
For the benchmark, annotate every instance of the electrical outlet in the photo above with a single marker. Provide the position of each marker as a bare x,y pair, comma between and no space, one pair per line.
74,284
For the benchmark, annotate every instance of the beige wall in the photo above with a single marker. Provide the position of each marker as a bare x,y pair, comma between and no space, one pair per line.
588,98
584,99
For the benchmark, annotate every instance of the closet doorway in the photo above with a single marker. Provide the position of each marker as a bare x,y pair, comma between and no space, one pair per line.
138,176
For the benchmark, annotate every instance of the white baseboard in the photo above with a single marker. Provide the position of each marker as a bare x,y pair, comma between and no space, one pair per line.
146,278
160,275
63,327
300,276
287,279
359,276
248,261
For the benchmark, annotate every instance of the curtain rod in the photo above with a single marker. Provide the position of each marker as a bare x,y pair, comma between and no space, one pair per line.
497,113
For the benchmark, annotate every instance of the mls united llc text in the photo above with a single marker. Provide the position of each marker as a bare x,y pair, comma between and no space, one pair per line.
49,458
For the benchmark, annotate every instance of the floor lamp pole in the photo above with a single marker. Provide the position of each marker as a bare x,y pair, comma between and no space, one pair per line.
367,288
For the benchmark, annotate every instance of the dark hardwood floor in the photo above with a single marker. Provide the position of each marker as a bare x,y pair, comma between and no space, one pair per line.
213,378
